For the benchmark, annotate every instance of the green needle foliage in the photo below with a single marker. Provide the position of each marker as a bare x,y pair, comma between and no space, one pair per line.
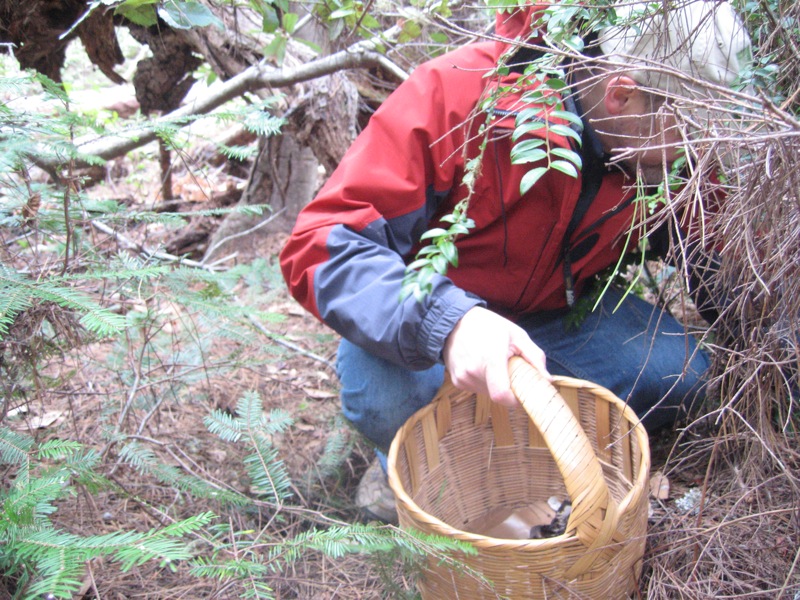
47,560
255,428
18,292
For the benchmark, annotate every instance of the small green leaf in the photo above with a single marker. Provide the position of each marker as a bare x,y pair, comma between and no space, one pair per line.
143,15
526,128
459,229
567,116
277,48
532,113
565,167
439,263
529,145
411,31
425,275
450,253
565,131
556,84
290,22
574,43
521,156
368,23
417,264
569,155
530,178
342,13
428,250
432,233
186,15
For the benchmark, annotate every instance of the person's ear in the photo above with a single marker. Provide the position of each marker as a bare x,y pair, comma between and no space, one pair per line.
621,90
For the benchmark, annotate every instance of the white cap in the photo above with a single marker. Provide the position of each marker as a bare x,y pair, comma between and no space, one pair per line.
702,39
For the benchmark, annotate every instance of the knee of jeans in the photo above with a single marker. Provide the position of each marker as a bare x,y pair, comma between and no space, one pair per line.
377,396
379,414
665,400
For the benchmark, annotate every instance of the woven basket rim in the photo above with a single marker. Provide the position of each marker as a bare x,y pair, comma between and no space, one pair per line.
438,526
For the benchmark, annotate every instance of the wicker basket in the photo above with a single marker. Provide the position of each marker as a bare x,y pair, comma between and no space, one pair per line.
463,455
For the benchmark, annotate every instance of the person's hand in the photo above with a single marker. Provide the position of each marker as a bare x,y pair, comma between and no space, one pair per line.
477,351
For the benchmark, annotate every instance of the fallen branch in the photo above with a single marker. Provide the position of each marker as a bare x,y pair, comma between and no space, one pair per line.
253,78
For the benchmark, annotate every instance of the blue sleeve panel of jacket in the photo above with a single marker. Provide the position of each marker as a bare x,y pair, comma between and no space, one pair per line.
358,294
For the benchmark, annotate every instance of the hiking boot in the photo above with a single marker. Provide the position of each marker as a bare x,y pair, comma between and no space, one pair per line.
374,496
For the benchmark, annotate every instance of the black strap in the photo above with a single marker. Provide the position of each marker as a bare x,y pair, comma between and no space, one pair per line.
592,172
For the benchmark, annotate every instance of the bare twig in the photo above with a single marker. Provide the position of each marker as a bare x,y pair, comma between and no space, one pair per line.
239,234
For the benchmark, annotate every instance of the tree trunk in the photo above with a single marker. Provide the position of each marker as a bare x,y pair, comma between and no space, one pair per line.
285,176
321,118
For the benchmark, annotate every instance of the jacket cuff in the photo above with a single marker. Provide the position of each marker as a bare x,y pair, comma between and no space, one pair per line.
440,319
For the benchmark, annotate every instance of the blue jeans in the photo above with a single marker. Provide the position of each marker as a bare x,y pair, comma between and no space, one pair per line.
638,352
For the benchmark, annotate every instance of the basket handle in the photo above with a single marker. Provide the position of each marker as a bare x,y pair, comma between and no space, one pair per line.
594,512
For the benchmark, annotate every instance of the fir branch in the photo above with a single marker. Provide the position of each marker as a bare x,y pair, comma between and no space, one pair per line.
30,501
223,425
145,461
19,292
338,446
14,446
267,471
251,426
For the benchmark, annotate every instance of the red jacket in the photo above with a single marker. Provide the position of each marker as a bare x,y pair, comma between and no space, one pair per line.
346,256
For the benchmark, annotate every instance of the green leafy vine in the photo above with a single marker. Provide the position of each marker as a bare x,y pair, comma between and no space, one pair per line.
546,82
